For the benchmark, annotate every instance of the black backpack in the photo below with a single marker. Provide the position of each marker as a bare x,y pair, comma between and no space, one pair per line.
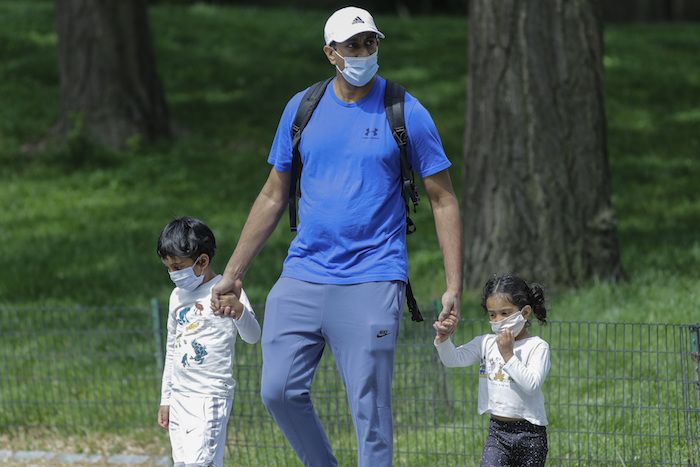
393,104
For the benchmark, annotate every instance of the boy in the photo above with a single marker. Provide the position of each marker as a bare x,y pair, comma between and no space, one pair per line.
198,385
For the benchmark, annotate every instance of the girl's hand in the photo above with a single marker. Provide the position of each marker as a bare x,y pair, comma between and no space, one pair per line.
447,323
506,341
445,328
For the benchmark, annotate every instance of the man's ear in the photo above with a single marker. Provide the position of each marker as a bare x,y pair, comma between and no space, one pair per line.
330,54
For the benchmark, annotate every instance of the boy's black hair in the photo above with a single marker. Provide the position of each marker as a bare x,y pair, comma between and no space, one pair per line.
186,237
519,292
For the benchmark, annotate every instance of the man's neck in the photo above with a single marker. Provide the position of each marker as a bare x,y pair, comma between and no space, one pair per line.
348,93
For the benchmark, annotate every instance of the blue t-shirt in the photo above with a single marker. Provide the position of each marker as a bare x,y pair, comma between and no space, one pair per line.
352,219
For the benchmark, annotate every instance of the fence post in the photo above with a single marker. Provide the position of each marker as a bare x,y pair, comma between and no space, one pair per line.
695,356
157,332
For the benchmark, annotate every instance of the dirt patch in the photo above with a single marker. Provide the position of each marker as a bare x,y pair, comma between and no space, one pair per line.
149,443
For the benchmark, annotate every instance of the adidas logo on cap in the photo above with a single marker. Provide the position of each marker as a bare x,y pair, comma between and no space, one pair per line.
348,22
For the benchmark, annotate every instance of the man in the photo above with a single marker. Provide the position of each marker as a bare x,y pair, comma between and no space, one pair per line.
343,281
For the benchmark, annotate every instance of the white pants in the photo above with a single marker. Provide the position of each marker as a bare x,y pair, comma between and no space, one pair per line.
198,429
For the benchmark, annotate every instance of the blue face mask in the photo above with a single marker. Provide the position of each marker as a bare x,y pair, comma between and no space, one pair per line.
186,279
359,71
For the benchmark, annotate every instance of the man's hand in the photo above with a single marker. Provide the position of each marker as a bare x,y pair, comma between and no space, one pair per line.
223,287
230,300
448,323
450,309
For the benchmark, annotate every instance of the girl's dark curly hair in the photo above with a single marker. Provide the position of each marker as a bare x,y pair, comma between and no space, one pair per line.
518,292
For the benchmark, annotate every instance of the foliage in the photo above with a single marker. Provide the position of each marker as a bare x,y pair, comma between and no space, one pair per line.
83,221
78,223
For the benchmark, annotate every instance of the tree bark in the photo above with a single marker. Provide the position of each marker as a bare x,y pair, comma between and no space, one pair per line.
536,182
109,81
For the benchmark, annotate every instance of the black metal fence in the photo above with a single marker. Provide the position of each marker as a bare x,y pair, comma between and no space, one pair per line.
617,393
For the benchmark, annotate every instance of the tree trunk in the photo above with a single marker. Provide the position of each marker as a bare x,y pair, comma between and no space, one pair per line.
109,81
536,182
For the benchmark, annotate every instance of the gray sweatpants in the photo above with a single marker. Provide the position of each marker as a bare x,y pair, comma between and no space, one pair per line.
360,325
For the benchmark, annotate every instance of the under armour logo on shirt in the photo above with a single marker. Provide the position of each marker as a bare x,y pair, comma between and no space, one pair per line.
357,20
374,132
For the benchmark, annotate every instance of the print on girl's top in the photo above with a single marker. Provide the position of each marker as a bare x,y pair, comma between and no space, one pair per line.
493,371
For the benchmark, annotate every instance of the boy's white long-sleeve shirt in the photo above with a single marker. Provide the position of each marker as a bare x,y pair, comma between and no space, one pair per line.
512,389
200,345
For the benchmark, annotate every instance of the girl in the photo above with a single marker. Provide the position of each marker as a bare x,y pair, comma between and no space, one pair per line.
513,367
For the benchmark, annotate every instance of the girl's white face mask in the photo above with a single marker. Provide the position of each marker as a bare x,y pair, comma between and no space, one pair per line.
514,322
186,279
359,71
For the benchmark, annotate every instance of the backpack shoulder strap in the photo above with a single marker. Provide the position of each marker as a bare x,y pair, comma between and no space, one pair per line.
393,103
306,108
394,96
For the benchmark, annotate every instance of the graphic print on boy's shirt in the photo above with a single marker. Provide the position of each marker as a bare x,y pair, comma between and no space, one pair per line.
199,351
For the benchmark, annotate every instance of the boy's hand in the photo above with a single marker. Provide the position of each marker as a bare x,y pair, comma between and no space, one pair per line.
164,416
231,300
224,286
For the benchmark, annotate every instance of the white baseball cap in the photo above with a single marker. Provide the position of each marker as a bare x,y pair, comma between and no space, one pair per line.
348,21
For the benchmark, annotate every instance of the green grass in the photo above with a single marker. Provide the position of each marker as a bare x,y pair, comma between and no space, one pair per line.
84,220
81,221
78,224
85,373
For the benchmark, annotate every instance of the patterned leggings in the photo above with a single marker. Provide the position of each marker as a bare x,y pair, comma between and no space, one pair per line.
514,443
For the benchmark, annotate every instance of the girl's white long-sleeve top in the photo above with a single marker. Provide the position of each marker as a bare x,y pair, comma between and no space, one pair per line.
512,389
200,346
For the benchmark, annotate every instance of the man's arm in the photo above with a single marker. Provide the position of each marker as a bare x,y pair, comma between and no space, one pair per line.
262,220
448,225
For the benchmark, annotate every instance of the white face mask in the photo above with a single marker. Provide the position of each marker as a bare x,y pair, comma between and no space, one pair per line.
359,71
186,279
514,322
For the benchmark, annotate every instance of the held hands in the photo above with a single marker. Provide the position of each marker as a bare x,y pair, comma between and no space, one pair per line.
230,300
445,328
446,324
227,307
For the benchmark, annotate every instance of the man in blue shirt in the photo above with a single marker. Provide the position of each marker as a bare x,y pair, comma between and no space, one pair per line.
343,281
